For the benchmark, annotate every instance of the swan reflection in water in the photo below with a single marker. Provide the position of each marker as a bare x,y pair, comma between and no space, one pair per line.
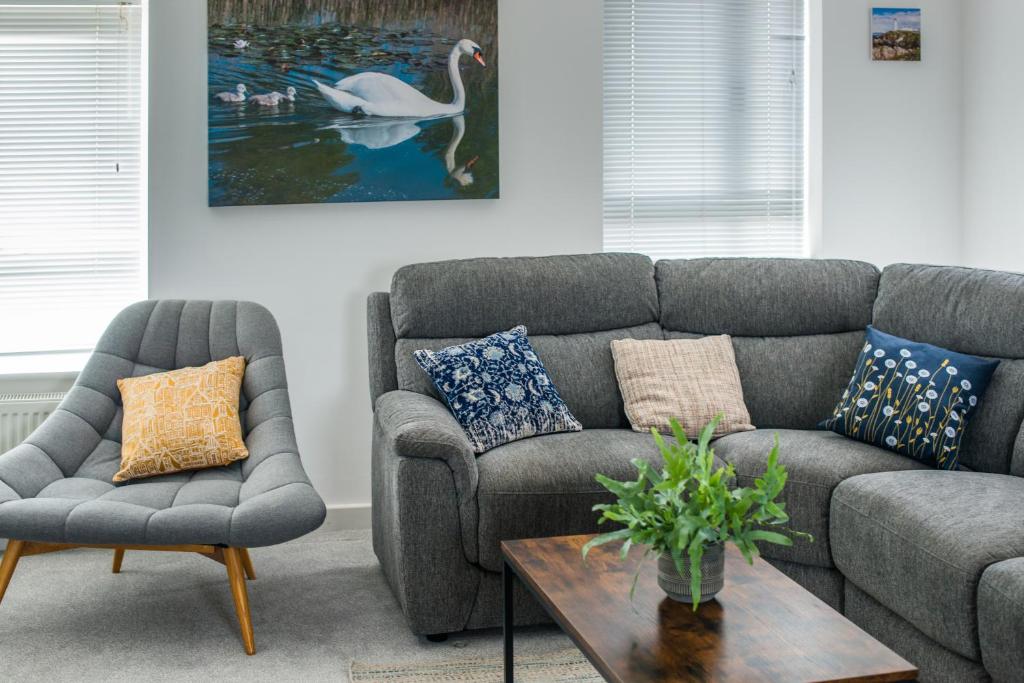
381,133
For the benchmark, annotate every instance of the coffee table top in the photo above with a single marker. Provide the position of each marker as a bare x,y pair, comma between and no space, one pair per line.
763,626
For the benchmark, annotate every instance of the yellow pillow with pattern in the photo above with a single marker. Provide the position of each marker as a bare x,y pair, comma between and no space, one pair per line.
184,419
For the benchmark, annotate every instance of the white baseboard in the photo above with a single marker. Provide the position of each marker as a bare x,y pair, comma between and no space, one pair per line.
350,517
339,518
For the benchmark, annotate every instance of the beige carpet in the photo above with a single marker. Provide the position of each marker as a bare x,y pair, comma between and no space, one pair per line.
564,666
319,604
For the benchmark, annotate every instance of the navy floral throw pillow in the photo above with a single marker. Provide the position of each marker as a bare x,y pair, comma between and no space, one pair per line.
498,389
911,398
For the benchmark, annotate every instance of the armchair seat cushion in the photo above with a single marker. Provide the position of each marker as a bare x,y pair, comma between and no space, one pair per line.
545,486
919,542
199,507
817,462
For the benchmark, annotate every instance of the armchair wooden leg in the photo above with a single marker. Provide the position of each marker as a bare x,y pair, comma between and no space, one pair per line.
250,571
9,563
236,574
118,559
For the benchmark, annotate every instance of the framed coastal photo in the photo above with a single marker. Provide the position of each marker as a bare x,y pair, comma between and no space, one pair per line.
316,101
896,34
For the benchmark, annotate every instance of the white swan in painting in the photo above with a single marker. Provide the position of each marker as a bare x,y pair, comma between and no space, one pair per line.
377,94
237,96
241,44
273,99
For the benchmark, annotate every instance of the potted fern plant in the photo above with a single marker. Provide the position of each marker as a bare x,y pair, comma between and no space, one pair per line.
685,514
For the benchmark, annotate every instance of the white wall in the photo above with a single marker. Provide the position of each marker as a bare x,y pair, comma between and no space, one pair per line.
891,139
993,134
892,187
313,266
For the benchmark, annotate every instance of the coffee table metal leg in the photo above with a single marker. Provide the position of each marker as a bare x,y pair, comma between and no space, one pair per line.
508,620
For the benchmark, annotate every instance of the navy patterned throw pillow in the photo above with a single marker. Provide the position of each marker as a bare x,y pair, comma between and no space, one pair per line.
911,398
498,389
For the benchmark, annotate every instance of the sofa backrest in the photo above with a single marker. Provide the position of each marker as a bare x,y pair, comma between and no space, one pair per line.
797,326
978,312
572,307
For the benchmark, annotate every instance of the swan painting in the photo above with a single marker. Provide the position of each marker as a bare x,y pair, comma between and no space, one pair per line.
352,101
377,94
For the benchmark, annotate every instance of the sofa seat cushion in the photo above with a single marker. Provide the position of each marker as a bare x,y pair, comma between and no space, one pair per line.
918,542
817,462
545,486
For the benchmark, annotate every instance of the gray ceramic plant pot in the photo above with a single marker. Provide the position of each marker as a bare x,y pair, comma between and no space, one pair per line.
712,570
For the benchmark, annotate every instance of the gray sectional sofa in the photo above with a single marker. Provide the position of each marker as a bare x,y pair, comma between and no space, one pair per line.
929,562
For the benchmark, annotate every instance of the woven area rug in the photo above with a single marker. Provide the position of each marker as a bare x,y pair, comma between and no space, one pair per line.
558,667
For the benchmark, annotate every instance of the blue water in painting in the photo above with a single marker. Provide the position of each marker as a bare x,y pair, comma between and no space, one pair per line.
307,152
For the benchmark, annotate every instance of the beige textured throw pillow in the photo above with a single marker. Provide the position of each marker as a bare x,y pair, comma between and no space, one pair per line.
691,380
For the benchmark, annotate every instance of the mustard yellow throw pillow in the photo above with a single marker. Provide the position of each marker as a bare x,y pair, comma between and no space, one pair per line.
184,419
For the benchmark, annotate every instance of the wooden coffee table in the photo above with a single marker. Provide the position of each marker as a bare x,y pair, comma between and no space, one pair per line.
763,626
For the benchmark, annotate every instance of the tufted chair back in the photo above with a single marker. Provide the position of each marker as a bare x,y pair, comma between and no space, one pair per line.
83,437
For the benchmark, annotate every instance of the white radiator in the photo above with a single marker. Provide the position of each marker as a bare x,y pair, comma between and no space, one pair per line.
20,414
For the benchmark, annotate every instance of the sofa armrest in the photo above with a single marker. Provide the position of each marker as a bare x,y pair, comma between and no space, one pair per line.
418,426
1001,619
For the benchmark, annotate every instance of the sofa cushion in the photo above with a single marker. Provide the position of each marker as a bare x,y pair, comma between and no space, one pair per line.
498,390
912,398
545,486
1001,619
580,365
816,463
965,309
550,295
795,324
977,312
765,297
691,380
814,370
918,542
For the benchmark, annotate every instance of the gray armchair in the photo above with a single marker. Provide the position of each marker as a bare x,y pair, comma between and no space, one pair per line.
56,490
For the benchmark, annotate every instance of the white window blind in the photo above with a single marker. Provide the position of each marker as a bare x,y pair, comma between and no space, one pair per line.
704,127
72,170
